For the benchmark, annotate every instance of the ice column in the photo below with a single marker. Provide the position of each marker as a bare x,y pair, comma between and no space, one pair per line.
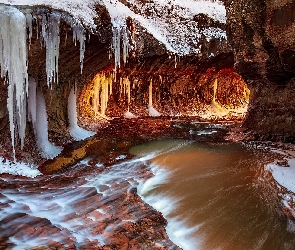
50,35
48,150
13,61
76,132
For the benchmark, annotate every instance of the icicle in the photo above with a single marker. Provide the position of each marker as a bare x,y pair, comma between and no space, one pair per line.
126,44
29,19
50,35
101,92
79,34
48,150
117,47
151,94
214,90
13,60
152,111
32,101
76,132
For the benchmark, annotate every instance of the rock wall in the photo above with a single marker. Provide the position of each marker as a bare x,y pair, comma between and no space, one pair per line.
262,37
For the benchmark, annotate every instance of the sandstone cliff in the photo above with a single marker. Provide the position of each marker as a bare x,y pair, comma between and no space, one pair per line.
262,37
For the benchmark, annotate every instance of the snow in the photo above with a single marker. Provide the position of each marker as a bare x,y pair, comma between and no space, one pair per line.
285,176
169,21
83,11
18,168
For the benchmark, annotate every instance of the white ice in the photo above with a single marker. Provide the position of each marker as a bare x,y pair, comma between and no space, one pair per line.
76,131
47,149
13,61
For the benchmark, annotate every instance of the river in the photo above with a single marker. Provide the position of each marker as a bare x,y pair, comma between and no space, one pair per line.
214,194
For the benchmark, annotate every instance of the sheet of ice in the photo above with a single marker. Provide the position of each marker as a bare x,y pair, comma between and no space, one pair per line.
18,168
285,176
76,132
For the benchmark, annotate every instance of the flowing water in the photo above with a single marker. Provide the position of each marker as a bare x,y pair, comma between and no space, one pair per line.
216,196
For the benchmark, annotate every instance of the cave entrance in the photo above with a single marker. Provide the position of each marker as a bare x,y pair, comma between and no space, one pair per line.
211,95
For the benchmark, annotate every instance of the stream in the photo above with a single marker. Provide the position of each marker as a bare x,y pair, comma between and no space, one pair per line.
214,194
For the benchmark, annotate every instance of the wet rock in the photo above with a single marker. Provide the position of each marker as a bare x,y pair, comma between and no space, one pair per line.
261,35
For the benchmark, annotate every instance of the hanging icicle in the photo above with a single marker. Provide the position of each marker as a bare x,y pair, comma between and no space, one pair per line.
13,60
79,34
51,39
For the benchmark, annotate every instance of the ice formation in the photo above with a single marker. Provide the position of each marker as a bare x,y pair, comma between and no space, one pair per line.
151,109
102,87
50,35
48,150
38,116
125,89
76,132
79,34
13,60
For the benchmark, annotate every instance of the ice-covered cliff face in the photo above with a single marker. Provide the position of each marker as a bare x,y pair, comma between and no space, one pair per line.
175,23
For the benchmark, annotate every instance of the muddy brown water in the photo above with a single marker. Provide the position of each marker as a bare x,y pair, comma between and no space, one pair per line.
216,196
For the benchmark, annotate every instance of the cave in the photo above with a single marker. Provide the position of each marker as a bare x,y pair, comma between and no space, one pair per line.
84,84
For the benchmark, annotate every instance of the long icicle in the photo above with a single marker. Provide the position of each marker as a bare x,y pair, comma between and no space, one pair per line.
13,60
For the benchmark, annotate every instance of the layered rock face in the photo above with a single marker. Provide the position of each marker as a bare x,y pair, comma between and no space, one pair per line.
262,37
159,60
